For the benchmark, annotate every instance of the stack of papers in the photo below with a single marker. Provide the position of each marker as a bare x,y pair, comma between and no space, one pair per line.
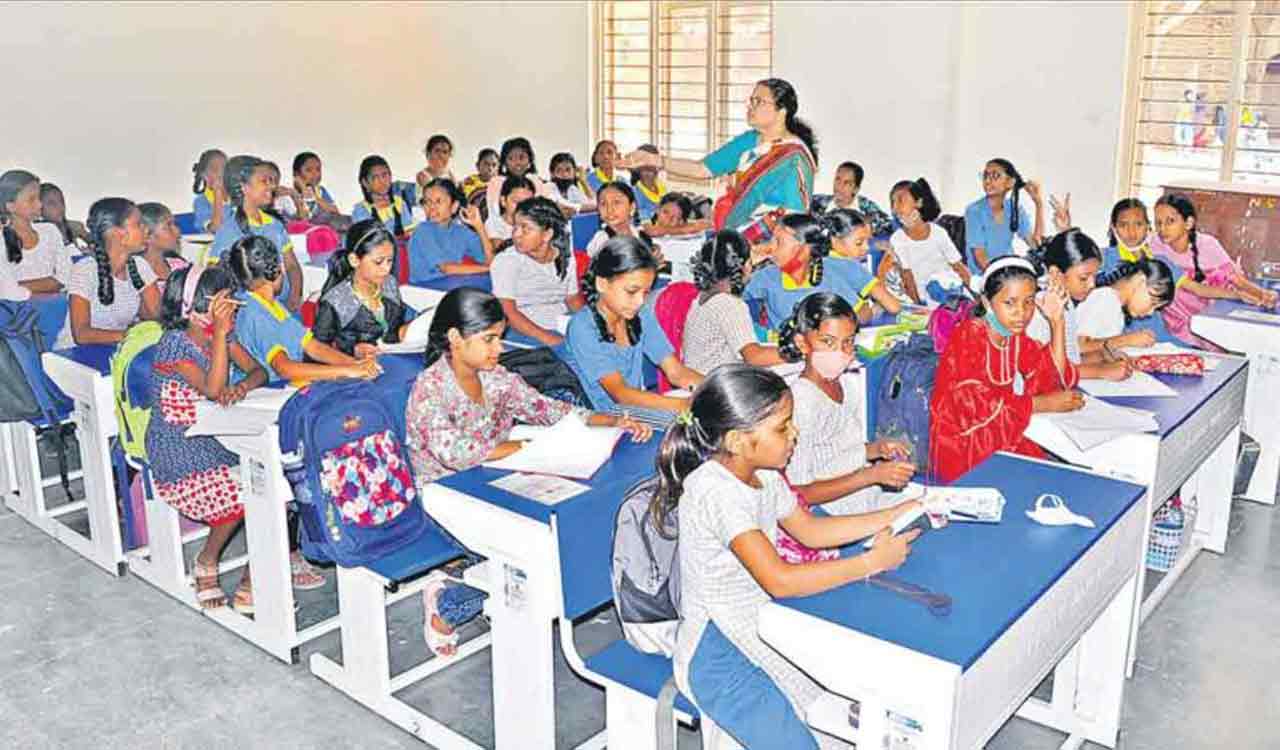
568,448
1099,422
1137,385
964,504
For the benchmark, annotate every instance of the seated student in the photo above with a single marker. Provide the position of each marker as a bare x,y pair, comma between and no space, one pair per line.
535,280
991,222
719,467
286,202
277,340
846,194
922,250
516,160
617,202
160,250
375,184
1210,272
566,186
53,209
486,168
609,339
993,377
799,250
10,289
851,240
198,476
108,292
1130,291
1129,234
718,328
674,217
515,190
248,183
452,241
317,204
360,304
832,462
34,253
439,152
648,188
603,158
460,413
210,204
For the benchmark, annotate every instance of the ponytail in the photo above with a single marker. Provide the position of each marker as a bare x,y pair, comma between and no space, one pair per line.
808,316
1018,185
104,215
1183,205
784,97
362,237
12,182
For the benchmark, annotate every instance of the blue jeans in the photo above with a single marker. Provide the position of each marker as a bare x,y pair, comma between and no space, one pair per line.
458,604
742,699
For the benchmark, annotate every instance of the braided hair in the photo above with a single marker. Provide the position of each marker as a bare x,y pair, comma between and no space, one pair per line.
1018,185
201,166
815,232
723,257
253,259
808,316
1062,251
1183,205
11,183
104,215
544,212
1160,281
367,165
1122,205
618,256
238,173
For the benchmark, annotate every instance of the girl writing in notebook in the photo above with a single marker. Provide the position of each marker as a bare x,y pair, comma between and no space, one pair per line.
1130,291
360,304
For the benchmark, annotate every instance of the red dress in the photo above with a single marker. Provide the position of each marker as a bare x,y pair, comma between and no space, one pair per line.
974,410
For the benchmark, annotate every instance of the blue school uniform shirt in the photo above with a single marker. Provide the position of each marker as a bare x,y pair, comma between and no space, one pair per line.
780,293
592,359
202,207
364,210
596,178
265,328
432,245
646,202
982,230
267,227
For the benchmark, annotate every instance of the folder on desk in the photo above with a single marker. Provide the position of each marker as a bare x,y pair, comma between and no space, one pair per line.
568,448
415,337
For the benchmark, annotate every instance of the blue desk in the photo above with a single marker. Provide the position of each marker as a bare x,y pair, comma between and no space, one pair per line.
1023,595
447,284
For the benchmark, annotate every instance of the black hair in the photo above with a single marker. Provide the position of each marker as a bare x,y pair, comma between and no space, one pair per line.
625,190
239,171
436,140
807,316
512,183
842,221
450,189
814,231
1122,205
214,279
367,165
930,209
854,167
104,215
362,237
153,215
996,281
63,226
252,259
1064,250
595,152
734,396
635,173
621,254
1183,205
563,157
273,167
467,309
546,214
202,164
723,257
302,158
13,182
784,97
1018,185
1160,281
511,144
682,202
486,151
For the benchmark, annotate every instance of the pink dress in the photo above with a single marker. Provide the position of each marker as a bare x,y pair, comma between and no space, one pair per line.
1219,271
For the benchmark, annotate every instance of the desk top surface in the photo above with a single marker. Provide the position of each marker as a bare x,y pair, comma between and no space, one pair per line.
1193,393
1222,309
993,572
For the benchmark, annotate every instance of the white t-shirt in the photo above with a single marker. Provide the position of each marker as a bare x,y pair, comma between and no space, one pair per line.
925,258
597,241
497,228
10,289
831,443
538,292
1038,329
1101,315
123,310
48,258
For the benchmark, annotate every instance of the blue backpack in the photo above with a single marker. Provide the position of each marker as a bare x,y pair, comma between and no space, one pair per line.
353,482
902,403
27,392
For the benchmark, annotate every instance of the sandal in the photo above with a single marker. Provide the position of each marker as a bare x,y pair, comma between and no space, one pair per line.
305,577
242,602
442,645
209,593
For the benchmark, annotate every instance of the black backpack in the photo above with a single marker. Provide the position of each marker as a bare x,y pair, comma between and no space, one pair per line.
26,392
547,374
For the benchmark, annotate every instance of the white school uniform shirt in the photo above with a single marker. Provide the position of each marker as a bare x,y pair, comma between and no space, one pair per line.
1101,315
536,289
497,228
925,258
1038,329
830,443
48,258
597,241
716,331
126,301
10,289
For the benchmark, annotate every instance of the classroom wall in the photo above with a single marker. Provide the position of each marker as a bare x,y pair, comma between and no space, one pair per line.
911,89
119,99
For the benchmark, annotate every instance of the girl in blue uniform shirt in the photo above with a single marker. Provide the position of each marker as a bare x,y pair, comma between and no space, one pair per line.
277,340
210,203
801,266
375,184
1129,235
602,170
320,207
452,241
608,340
991,221
649,189
248,183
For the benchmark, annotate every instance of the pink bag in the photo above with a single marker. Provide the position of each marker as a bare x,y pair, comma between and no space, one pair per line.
945,318
793,551
321,240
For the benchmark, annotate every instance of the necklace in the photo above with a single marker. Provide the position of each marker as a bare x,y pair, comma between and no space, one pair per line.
373,301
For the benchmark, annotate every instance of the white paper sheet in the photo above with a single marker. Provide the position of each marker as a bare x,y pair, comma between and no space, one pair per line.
224,421
682,249
569,448
415,338
1099,422
1256,316
1137,385
540,488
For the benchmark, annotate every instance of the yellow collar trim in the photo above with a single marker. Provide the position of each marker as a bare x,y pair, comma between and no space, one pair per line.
274,307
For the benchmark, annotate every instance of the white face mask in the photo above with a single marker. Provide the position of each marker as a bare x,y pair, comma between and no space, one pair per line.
1050,510
911,220
830,364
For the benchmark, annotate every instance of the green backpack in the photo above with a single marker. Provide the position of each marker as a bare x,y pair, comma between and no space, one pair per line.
133,419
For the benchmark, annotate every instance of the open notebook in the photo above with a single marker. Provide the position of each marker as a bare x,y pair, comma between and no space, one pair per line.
568,448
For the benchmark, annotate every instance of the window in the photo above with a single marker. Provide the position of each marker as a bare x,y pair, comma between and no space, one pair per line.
1208,89
677,73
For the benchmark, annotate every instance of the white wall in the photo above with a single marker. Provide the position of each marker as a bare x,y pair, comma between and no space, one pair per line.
911,89
119,99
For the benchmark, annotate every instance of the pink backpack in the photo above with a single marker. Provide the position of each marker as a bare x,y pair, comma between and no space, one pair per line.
945,318
671,309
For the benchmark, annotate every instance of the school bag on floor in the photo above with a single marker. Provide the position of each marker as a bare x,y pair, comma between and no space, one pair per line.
902,403
546,373
645,572
352,479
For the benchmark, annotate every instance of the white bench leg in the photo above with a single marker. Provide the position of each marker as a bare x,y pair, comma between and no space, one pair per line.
713,738
8,474
629,719
28,500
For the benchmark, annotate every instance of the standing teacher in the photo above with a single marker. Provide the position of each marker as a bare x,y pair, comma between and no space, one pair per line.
772,164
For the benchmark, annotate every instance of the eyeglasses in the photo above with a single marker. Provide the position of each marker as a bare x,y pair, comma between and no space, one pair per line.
756,101
991,175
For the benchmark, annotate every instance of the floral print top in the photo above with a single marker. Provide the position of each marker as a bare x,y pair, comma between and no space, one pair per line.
448,432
